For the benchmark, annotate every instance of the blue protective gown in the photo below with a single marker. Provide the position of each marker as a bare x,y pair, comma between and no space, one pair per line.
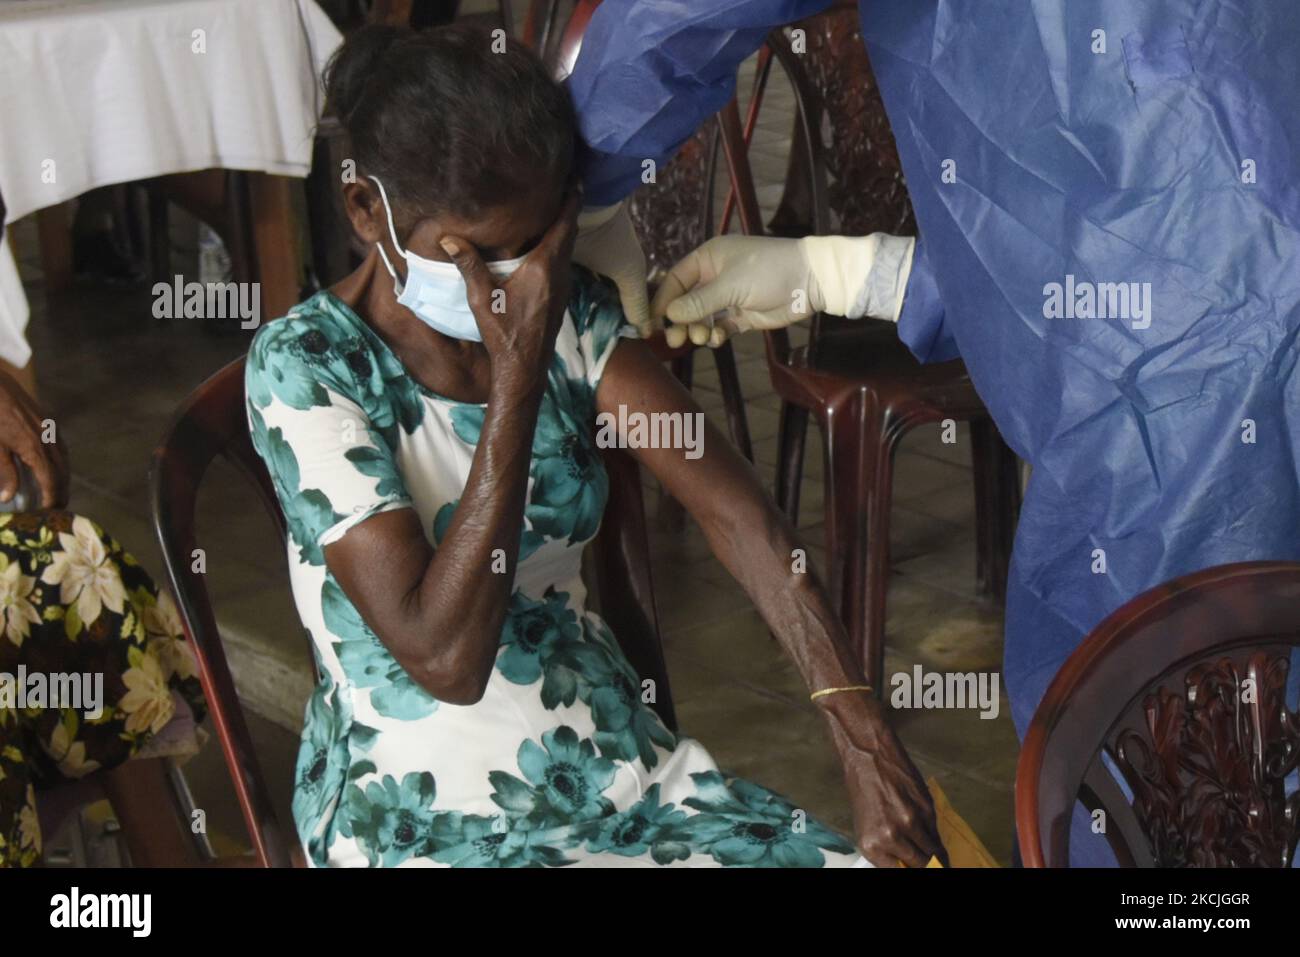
1160,151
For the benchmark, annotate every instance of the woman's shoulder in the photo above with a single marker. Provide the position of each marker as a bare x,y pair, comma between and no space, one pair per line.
593,301
321,344
596,318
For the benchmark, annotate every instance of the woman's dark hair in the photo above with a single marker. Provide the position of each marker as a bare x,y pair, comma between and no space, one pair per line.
445,122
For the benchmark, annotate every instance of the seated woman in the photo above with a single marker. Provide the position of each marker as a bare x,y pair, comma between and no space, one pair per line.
74,603
430,425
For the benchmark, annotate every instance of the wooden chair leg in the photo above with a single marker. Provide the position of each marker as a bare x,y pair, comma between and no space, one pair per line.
792,435
879,493
127,230
997,505
327,227
733,399
275,245
54,234
1008,514
160,249
239,232
985,508
850,468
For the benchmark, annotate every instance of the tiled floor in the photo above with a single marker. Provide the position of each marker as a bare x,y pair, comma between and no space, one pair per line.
111,375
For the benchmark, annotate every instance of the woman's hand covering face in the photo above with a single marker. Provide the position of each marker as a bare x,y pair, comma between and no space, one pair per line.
520,318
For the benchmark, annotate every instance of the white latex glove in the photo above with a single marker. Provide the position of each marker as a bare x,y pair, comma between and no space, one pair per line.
761,282
607,244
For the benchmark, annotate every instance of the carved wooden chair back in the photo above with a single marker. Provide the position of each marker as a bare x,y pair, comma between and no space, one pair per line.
1183,692
843,174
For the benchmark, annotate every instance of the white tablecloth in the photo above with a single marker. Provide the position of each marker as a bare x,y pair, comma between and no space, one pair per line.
113,91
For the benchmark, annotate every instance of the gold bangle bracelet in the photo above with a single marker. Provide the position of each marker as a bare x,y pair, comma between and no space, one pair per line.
825,691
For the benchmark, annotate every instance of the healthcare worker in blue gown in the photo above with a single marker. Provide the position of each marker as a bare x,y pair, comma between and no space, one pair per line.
1108,212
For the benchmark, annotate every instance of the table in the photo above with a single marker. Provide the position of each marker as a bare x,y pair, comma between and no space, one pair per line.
97,92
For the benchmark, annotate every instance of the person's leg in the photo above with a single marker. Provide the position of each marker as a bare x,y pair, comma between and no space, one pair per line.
25,377
137,672
20,831
146,807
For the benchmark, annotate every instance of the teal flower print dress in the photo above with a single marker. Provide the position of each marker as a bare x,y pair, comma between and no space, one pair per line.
560,763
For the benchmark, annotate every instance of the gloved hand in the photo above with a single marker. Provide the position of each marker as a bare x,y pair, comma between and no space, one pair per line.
760,282
607,244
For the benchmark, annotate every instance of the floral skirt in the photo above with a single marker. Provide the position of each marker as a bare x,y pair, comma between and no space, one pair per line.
94,668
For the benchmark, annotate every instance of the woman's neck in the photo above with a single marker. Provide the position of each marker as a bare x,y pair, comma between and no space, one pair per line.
455,368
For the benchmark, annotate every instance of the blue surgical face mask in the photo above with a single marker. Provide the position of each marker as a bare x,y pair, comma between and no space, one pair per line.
435,291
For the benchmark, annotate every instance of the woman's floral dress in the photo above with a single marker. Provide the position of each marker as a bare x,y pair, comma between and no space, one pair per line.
561,762
74,602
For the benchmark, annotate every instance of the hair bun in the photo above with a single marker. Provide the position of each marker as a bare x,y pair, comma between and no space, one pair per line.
353,65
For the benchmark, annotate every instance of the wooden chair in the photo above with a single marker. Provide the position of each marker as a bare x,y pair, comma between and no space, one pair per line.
856,377
212,422
58,805
1183,689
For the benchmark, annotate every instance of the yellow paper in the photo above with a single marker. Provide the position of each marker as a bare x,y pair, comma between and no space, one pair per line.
964,848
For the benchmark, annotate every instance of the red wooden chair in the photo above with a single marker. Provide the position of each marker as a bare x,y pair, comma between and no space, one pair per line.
856,377
212,422
64,803
1183,689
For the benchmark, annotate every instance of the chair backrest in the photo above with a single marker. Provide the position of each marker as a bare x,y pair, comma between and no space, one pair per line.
212,422
673,214
843,173
832,79
1183,690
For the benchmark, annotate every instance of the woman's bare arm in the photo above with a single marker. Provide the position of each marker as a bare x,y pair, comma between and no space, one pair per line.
756,543
440,613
